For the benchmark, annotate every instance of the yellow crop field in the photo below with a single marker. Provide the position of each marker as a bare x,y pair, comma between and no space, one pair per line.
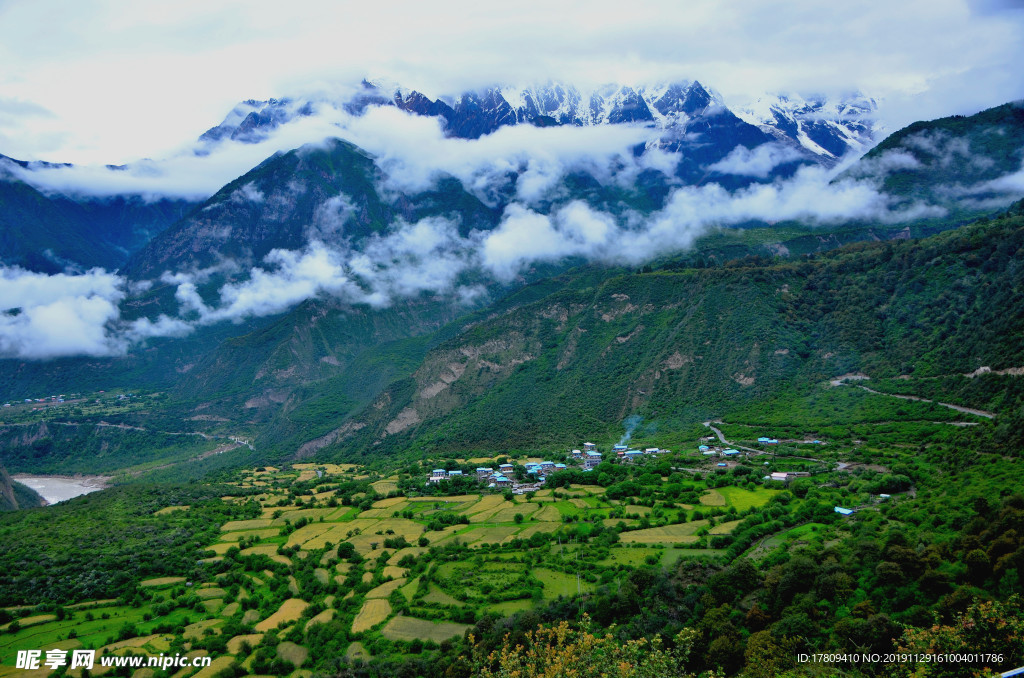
410,628
357,651
334,534
488,515
507,515
308,533
712,498
725,528
230,610
486,503
592,489
235,644
669,534
260,549
321,575
550,514
233,525
322,618
245,534
409,590
312,514
222,548
456,499
533,528
394,572
215,667
289,611
386,512
373,612
385,486
296,654
444,535
162,581
385,589
389,503
414,551
491,535
212,592
197,630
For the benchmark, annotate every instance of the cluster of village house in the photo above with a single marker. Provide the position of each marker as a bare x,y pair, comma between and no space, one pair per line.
51,399
588,458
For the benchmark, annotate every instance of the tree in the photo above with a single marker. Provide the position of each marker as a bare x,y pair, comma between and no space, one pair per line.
990,627
566,651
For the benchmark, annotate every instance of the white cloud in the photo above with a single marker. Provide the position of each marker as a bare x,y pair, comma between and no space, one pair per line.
755,162
48,316
78,314
130,80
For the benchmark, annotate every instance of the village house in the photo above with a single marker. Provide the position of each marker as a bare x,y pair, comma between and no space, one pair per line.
592,460
589,447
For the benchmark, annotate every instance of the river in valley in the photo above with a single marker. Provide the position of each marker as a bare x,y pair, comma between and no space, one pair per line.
60,488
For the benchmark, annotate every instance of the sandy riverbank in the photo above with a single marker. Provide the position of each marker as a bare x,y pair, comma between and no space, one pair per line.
61,488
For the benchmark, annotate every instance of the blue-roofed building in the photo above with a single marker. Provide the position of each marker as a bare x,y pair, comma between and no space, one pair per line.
620,448
592,459
454,474
722,464
703,448
547,465
560,467
483,472
731,453
843,511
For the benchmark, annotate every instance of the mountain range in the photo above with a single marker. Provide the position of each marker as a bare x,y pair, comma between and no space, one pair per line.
316,305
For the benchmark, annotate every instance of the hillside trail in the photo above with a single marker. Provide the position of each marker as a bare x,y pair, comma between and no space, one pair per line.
958,408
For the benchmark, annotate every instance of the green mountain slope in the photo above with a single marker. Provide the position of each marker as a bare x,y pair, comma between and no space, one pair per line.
680,347
329,191
47,232
949,158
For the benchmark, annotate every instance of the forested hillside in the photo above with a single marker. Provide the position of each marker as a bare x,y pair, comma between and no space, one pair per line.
678,347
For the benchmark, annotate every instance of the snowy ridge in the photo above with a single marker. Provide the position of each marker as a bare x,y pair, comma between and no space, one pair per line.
684,116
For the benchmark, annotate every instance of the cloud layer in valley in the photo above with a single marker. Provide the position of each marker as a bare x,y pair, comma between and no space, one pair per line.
63,315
